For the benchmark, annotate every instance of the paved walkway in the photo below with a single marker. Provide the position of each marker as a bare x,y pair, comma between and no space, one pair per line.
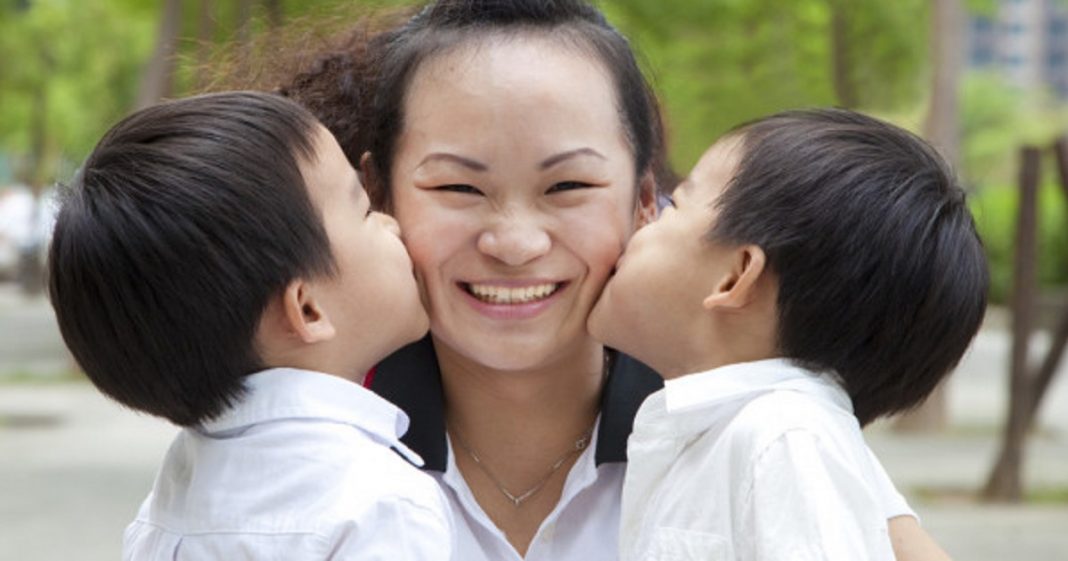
74,466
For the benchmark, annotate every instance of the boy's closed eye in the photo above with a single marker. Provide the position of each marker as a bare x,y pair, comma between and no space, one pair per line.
665,200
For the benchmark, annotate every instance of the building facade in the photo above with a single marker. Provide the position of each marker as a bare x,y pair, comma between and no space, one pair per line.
1026,41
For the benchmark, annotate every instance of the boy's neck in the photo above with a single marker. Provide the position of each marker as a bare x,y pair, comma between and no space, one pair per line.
717,341
682,367
315,362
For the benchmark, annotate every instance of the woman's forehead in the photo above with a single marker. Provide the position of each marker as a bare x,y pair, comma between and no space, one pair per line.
522,58
526,87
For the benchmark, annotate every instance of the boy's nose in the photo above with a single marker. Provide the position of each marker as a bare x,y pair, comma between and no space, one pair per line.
388,222
515,241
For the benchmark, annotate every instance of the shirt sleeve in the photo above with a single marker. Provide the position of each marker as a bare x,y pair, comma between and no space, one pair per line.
808,501
403,530
894,503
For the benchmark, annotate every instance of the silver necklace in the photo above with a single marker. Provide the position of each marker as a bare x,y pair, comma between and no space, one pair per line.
581,443
518,499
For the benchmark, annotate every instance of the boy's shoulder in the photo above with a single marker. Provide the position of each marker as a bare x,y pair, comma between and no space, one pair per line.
293,476
768,418
261,491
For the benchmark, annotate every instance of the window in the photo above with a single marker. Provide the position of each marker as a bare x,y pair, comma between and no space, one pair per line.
982,56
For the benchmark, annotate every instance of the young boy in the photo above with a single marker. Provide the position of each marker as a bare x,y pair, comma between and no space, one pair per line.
216,263
820,269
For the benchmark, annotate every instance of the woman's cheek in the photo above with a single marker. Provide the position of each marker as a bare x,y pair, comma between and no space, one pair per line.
427,239
602,237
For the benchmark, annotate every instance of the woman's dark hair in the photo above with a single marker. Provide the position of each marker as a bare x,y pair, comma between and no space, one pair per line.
882,276
359,91
181,224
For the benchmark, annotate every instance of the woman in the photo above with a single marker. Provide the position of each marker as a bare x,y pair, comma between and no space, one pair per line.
518,145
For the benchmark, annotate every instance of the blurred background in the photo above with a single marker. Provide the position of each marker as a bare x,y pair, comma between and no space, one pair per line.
985,462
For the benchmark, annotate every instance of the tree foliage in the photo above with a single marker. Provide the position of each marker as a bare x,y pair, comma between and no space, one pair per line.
70,69
715,63
718,63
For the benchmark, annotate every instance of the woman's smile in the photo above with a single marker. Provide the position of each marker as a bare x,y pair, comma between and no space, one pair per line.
513,299
513,293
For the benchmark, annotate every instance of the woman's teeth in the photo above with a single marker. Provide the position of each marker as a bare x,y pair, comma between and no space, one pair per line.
511,295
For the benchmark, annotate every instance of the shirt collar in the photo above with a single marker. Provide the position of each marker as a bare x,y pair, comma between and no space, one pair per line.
741,380
290,393
411,379
581,476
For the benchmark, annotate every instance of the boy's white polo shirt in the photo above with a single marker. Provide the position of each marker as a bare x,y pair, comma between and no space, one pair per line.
302,467
761,460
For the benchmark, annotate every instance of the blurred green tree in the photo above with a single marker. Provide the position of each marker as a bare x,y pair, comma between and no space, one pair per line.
720,62
70,69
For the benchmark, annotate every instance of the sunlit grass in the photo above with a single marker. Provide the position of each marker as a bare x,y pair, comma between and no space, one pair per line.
47,377
1055,495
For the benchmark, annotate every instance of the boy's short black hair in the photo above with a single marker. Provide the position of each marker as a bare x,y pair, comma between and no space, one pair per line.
882,276
181,224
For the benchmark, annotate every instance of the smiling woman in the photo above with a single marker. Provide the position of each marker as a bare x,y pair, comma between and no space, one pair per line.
518,146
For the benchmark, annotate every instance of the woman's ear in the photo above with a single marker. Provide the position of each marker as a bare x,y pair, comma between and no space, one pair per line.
304,313
646,210
738,286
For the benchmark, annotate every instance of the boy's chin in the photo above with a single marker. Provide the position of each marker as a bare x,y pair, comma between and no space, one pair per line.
600,325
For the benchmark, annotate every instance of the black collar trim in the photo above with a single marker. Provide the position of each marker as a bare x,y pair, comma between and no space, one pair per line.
411,379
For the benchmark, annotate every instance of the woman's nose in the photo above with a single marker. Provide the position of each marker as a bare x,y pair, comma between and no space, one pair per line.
515,240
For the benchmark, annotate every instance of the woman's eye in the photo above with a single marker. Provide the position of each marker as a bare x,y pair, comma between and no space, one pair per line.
667,201
568,186
458,188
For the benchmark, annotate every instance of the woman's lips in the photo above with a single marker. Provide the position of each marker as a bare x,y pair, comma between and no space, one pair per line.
512,300
508,295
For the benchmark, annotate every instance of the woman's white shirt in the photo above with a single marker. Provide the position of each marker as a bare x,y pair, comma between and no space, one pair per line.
582,527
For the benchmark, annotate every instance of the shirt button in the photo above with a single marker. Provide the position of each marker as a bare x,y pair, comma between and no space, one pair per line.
549,532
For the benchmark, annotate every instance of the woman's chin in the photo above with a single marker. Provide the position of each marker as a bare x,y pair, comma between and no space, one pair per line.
511,352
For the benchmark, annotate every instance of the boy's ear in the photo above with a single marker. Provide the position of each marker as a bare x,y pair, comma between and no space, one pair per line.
738,286
646,211
304,313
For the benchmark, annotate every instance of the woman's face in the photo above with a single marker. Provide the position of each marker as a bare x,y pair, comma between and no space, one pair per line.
515,188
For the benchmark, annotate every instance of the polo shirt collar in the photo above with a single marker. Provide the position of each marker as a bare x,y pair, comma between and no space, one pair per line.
741,380
411,379
290,393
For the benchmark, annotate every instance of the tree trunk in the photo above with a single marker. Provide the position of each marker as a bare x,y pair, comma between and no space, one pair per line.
942,129
841,62
30,269
1004,483
157,82
274,13
942,126
205,34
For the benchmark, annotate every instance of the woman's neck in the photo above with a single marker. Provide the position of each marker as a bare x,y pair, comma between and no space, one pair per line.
546,403
509,428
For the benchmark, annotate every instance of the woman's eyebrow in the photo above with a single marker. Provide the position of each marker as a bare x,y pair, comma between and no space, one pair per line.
448,157
553,160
